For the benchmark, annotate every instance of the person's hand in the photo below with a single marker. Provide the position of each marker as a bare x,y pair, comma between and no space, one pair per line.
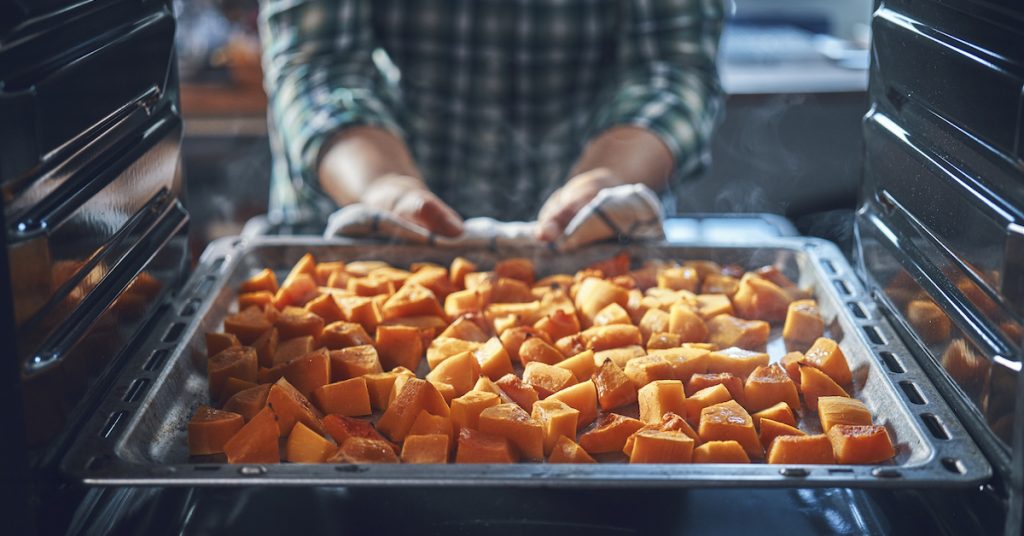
408,198
566,201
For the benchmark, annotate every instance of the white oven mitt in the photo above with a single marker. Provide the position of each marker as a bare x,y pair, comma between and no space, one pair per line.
628,213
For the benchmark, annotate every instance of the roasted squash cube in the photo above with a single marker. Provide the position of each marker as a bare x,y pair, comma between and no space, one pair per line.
770,429
363,450
826,355
309,372
801,449
399,346
619,356
678,278
736,361
515,424
256,441
670,422
609,434
249,402
614,388
465,410
803,322
461,371
465,329
457,271
431,448
353,362
341,428
728,420
519,391
476,446
493,359
566,450
557,419
338,335
583,398
696,402
347,397
833,410
248,324
714,304
731,382
685,361
720,452
581,365
759,298
442,348
535,349
291,406
298,322
815,384
653,321
218,342
859,444
595,294
307,446
558,324
612,313
547,379
209,429
614,336
791,362
325,307
462,302
233,362
686,323
646,369
781,412
264,280
379,386
426,423
725,330
266,348
361,310
293,349
411,300
416,395
660,397
769,385
655,446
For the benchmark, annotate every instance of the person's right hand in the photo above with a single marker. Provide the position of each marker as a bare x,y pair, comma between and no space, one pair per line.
408,198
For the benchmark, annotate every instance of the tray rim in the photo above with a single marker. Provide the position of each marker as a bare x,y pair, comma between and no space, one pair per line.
93,460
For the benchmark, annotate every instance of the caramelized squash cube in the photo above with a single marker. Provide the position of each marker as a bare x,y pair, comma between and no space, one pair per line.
249,402
535,349
515,424
264,281
361,310
338,335
291,406
298,322
685,361
595,294
769,385
678,278
462,302
614,388
426,423
307,446
581,365
646,369
686,323
609,434
720,284
295,291
557,419
670,422
655,446
736,361
256,441
583,398
861,444
341,428
416,395
442,348
653,321
770,429
728,420
411,300
476,446
566,450
350,398
725,330
325,307
248,324
558,324
378,387
461,371
547,379
730,381
801,449
815,384
714,304
429,448
309,372
233,362
619,356
720,452
759,298
266,348
218,342
209,429
660,397
233,386
457,271
696,402
354,361
791,362
826,355
612,313
292,349
781,412
803,322
833,410
493,359
519,391
466,408
614,336
363,450
399,346
465,329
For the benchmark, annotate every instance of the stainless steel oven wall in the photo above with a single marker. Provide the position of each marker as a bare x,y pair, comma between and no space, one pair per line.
940,225
93,212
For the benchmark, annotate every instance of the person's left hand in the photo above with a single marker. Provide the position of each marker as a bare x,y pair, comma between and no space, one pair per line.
566,201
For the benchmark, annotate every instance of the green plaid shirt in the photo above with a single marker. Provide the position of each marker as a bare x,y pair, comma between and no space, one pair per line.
495,98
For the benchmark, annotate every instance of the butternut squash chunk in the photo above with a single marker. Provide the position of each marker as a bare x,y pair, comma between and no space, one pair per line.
307,446
434,278
370,286
685,361
758,298
769,385
712,305
515,424
583,398
660,397
292,349
266,347
670,422
566,450
781,412
465,410
350,398
516,268
547,379
442,348
399,346
309,372
770,429
416,395
249,402
411,300
457,271
803,322
233,386
731,382
791,362
646,369
476,446
736,361
535,349
426,423
558,324
461,371
446,390
581,365
557,419
465,329
826,355
248,324
720,284
860,444
725,331
463,302
295,291
361,310
614,388
728,420
291,406
686,323
264,280
341,334
256,442
325,307
595,294
678,278
695,403
429,448
324,270
609,434
655,446
612,313
218,342
493,359
340,428
619,356
235,361
654,321
209,429
720,452
801,449
833,410
815,384
614,336
519,391
362,450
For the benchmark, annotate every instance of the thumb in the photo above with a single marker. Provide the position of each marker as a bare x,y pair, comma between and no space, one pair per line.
438,217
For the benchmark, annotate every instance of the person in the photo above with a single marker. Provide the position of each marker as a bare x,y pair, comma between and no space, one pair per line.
438,110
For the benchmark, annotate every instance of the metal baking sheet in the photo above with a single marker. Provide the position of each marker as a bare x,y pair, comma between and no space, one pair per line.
138,435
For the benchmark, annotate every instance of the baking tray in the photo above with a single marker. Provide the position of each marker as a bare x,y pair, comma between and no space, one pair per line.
138,434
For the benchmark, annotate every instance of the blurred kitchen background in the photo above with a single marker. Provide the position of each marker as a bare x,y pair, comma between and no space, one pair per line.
795,74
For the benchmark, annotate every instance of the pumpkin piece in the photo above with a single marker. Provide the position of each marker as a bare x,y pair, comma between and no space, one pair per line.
609,434
354,361
361,310
399,346
361,450
427,326
428,448
655,446
248,324
236,361
426,424
515,424
678,278
595,294
660,397
612,313
255,299
309,372
646,369
557,419
791,362
547,379
773,274
581,365
341,428
370,286
466,408
696,402
583,398
291,406
341,334
759,298
535,349
826,355
519,391
457,271
348,397
503,290
614,336
416,395
446,389
720,284
571,344
434,278
233,386
266,347
712,305
296,291
801,449
516,268
363,268
218,342
501,323
664,340
730,381
256,441
685,361
476,446
684,322
769,385
670,422
725,330
461,371
619,356
728,420
614,388
558,324
493,359
664,299
654,321
307,446
815,384
720,452
249,402
338,280
860,444
566,450
293,349
442,348
325,307
474,280
736,361
209,429
770,429
803,322
781,412
833,410
463,302
324,270
485,385
465,329
379,385
264,281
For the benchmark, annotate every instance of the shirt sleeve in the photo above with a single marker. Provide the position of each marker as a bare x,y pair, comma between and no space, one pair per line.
320,76
668,81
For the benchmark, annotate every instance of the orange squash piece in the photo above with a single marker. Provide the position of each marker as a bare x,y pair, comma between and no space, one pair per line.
412,300
769,385
660,397
353,362
446,390
465,329
218,342
296,291
324,271
426,424
535,349
237,362
348,397
362,450
248,324
519,391
720,452
465,410
614,336
399,346
860,444
654,321
266,347
309,372
325,307
678,278
429,448
255,299
264,280
595,294
833,410
461,371
729,421
801,449
619,356
442,348
209,429
781,412
725,330
614,388
547,379
826,355
516,268
361,310
515,424
493,359
256,442
416,395
736,361
293,348
759,298
291,406
685,361
720,284
609,434
731,382
714,304
696,402
670,422
426,326
572,345
476,446
770,429
803,322
307,446
815,384
457,271
612,313
341,334
434,278
656,446
233,386
646,369
341,428
686,323
249,402
583,398
581,365
558,324
557,419
791,362
463,302
566,450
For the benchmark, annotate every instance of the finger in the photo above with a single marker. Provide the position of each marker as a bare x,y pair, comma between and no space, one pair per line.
435,215
551,227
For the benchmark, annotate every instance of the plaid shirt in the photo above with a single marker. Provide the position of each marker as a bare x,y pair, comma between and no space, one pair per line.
495,98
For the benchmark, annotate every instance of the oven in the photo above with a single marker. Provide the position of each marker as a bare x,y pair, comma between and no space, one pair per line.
104,309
